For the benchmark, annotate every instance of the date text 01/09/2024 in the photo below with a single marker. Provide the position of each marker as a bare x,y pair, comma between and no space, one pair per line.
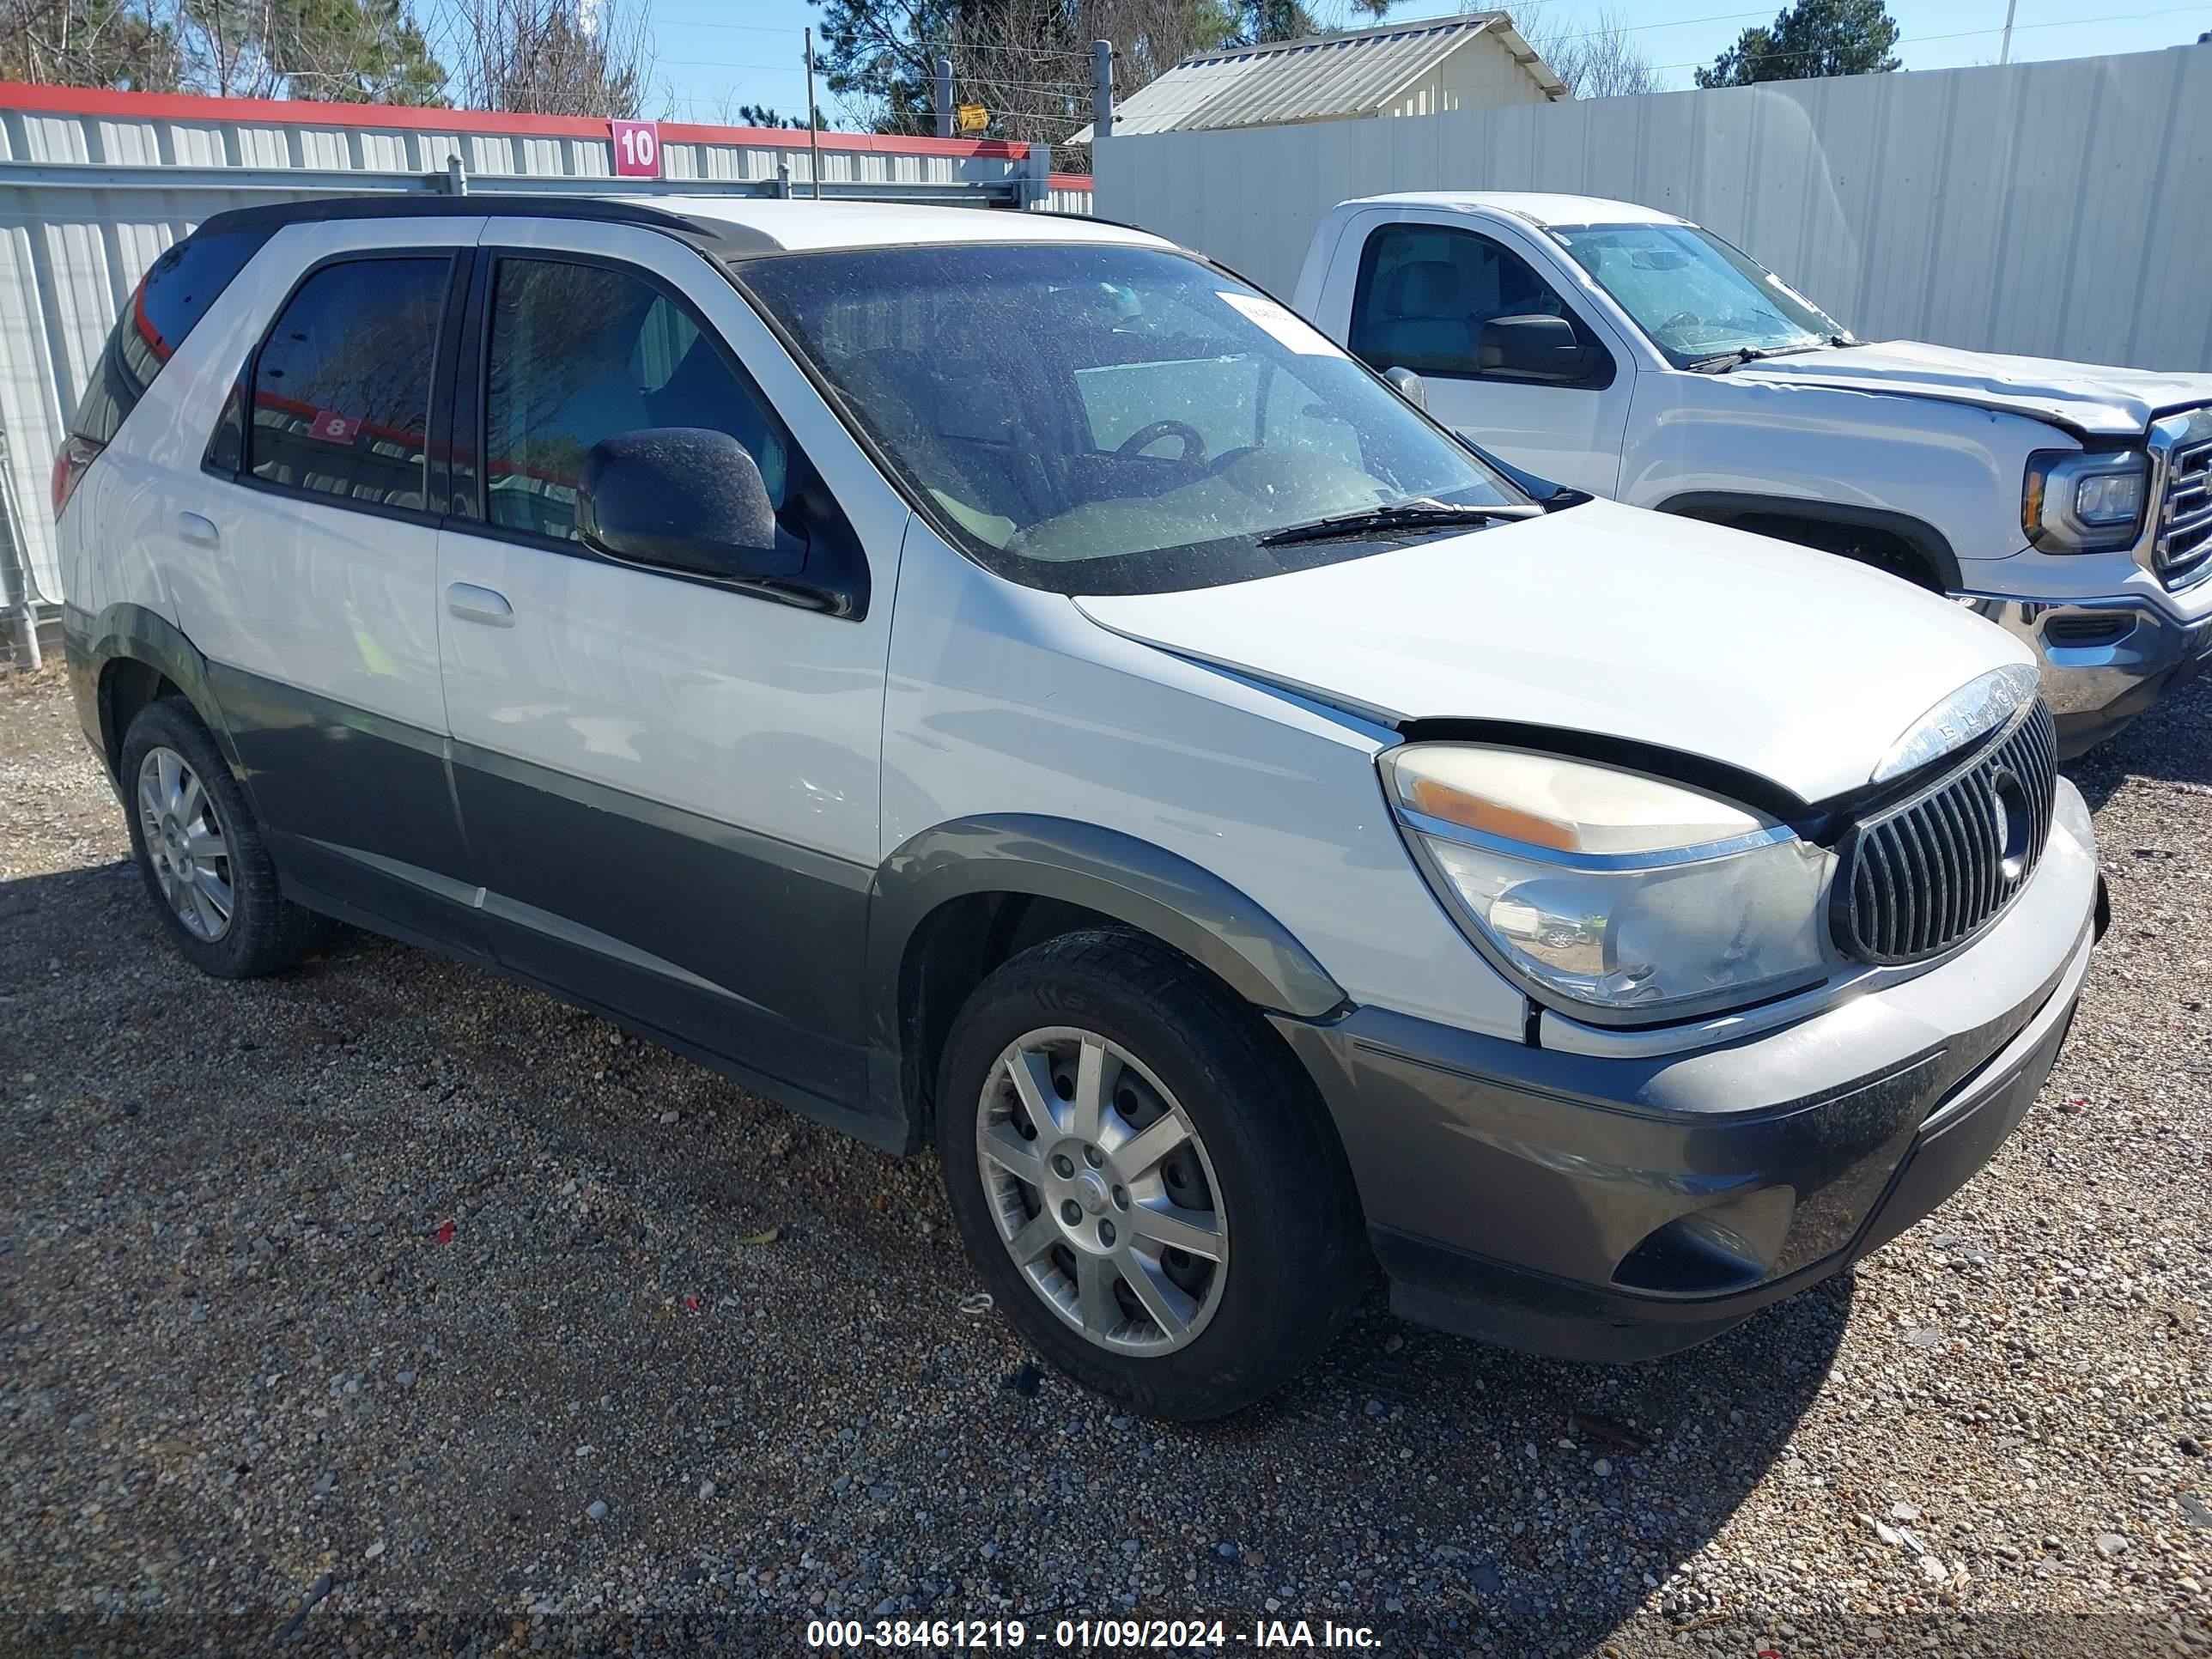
1166,1635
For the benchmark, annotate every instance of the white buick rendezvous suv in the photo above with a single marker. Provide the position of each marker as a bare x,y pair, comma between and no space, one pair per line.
1002,685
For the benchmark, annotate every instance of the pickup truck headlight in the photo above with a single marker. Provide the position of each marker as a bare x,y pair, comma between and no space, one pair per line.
1637,899
2074,502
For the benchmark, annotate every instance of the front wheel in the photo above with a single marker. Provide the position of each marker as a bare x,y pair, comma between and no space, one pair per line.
1146,1180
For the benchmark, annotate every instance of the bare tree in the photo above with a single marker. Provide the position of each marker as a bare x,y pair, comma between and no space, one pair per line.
369,50
1599,62
127,44
1028,62
1025,61
1151,37
551,57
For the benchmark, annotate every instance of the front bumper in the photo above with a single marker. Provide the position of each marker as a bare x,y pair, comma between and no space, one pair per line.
2104,661
1615,1208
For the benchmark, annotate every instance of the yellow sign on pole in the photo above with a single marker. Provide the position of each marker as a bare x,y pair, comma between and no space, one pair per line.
973,118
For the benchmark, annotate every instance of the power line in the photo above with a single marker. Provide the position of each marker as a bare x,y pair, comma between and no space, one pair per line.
750,28
954,48
955,53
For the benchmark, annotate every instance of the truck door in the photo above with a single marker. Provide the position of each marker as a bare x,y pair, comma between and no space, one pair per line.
1425,297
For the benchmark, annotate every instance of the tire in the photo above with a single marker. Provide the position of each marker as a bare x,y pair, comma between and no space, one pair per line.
201,854
1251,1158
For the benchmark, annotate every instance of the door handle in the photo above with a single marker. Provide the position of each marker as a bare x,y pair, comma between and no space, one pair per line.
479,605
198,530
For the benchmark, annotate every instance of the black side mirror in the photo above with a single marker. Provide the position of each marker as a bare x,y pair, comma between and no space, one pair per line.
684,498
1542,347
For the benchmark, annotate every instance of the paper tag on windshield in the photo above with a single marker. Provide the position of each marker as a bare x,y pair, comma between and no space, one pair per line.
1286,326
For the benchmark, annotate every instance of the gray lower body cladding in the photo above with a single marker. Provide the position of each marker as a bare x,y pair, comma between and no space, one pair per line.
781,965
1616,1208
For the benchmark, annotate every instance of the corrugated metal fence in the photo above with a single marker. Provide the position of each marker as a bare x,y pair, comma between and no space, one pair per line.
93,185
2055,208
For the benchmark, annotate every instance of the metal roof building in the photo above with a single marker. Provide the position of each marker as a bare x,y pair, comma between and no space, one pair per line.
1475,61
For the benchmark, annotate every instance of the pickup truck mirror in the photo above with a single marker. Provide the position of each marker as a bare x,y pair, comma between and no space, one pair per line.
1409,385
683,498
1539,346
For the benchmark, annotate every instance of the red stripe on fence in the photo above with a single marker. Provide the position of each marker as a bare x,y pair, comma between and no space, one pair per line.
297,112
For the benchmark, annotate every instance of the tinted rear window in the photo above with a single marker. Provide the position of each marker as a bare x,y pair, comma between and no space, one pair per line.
174,296
341,387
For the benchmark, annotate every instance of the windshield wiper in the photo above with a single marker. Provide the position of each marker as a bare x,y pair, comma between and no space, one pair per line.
1726,360
1402,515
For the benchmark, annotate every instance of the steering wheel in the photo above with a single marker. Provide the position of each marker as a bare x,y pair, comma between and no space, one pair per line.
1194,441
1679,319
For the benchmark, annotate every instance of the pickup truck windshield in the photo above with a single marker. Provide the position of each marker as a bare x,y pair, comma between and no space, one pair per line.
1693,295
1101,419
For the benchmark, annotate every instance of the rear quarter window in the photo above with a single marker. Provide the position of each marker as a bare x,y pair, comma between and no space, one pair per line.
340,393
169,300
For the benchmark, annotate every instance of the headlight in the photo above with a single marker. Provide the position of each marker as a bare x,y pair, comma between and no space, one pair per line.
2074,502
1982,704
1632,897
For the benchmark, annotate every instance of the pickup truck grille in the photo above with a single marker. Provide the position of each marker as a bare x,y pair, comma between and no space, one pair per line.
1928,874
2183,546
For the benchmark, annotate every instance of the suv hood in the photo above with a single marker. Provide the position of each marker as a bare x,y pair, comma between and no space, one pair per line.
2083,397
1800,666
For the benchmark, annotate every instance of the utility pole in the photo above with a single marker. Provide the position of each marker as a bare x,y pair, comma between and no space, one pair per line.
2004,55
1102,88
813,121
944,97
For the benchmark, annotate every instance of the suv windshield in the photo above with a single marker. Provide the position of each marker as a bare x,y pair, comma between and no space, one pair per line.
1697,297
1103,419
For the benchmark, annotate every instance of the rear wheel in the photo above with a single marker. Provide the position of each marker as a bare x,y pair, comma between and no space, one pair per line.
1144,1179
201,851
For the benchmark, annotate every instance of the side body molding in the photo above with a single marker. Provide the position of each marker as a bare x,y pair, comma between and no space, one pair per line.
1116,874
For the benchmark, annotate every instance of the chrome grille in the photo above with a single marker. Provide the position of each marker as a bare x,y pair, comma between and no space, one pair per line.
1928,873
2185,516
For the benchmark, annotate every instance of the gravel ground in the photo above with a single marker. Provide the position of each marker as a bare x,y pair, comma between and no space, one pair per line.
384,1306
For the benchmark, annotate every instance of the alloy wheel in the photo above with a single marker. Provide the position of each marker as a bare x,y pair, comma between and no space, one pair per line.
1102,1191
184,843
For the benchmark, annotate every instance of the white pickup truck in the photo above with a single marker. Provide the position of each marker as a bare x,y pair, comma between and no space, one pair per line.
1630,354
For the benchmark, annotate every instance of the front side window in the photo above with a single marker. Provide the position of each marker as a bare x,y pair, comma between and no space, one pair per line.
1693,295
341,384
1425,291
1100,419
580,353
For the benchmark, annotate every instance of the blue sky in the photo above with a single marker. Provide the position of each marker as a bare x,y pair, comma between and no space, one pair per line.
715,54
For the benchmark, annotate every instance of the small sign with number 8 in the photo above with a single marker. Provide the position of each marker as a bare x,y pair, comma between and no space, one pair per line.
637,149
